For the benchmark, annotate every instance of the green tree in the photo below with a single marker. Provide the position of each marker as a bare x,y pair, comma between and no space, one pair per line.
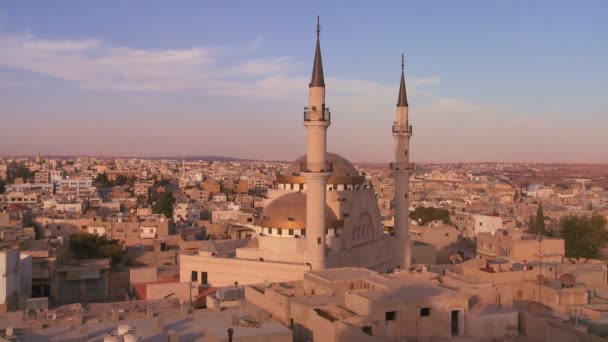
540,220
425,215
92,246
102,181
18,172
584,236
531,224
164,204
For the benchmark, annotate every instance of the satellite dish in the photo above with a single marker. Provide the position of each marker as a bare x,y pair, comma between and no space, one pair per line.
567,279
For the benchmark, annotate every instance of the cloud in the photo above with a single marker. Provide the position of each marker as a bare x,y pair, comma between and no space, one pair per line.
96,65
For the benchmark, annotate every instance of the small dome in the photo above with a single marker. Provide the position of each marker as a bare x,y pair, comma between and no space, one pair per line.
341,166
343,171
289,211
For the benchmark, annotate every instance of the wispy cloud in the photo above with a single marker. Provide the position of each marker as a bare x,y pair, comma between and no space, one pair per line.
94,64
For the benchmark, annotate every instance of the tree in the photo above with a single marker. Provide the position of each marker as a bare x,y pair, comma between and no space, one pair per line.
164,204
584,236
92,246
102,181
531,224
540,220
425,215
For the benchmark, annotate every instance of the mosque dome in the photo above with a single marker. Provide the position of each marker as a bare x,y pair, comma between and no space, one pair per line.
343,172
289,211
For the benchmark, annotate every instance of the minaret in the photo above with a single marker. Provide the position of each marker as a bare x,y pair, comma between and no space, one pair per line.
402,168
316,170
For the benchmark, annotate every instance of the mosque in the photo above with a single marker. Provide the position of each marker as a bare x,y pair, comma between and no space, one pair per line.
321,213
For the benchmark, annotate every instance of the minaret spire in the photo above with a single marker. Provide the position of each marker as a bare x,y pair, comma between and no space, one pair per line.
402,168
317,79
402,101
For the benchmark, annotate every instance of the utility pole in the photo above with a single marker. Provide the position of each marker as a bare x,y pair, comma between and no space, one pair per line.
540,267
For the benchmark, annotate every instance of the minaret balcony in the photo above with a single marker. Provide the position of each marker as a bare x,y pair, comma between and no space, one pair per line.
402,129
315,115
402,166
316,167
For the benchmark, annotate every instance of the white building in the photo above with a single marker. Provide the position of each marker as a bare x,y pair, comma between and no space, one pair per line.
15,279
186,211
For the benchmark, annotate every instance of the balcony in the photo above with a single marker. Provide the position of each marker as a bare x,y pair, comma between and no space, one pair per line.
402,166
402,129
322,116
316,167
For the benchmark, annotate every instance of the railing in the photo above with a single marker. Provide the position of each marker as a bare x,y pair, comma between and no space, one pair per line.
402,166
402,129
323,116
316,167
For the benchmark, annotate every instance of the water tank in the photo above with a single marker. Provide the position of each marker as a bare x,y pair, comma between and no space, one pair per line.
124,329
131,337
229,293
112,338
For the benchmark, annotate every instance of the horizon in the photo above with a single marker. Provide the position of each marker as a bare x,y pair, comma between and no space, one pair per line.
245,159
487,82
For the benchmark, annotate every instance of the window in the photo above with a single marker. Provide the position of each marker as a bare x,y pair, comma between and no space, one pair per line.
269,230
425,312
367,330
204,278
520,294
194,276
280,231
303,232
390,316
291,232
318,241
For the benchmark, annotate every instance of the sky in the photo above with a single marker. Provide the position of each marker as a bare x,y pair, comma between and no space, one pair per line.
521,81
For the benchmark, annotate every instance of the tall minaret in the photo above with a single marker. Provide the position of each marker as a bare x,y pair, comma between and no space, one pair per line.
402,132
316,170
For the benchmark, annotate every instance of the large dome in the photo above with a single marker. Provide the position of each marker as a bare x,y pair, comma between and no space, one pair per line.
289,211
343,171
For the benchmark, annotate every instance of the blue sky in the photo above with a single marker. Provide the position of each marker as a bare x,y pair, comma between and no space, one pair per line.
487,80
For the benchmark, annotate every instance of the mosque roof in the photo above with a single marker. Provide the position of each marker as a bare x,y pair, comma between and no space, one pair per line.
289,211
343,172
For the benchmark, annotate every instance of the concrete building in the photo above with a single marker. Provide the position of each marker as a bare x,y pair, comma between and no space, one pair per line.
15,279
472,224
443,237
517,247
350,304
